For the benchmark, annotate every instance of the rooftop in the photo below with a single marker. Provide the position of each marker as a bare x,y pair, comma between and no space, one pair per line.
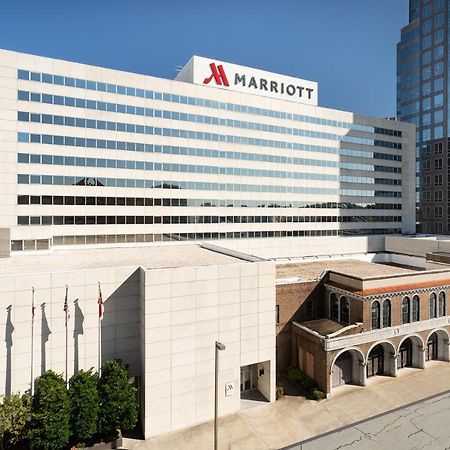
310,271
322,326
152,257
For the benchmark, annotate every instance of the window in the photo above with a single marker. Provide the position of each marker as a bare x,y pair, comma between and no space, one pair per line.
441,309
375,315
386,313
405,310
277,313
345,310
433,301
334,307
310,309
415,308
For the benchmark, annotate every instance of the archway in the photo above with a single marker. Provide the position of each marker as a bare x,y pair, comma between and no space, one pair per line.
380,360
410,353
348,368
437,346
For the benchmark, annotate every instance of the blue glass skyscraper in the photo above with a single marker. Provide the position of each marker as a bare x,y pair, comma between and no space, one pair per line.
422,99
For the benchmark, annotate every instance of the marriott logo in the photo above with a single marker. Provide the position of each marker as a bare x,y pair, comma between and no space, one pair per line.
258,83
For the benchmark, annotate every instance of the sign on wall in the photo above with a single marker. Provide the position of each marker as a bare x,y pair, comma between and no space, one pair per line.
229,389
223,75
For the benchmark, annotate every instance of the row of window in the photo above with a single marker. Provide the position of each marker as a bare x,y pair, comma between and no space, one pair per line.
176,220
193,202
27,158
61,180
411,307
142,93
135,110
42,244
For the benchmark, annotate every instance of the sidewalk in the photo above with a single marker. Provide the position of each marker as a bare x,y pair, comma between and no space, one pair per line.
293,419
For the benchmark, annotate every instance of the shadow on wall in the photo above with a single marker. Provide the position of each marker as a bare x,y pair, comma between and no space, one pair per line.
120,326
77,331
45,334
9,330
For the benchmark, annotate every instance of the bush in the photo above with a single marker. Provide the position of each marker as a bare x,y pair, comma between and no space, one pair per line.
118,403
317,394
14,417
279,392
50,413
295,374
84,405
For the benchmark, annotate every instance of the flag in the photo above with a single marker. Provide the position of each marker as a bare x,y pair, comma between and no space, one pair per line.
66,306
33,306
100,302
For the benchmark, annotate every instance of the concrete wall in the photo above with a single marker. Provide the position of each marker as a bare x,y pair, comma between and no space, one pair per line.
5,243
120,325
185,311
304,247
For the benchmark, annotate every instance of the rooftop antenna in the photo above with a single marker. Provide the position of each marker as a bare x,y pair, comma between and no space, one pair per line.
178,68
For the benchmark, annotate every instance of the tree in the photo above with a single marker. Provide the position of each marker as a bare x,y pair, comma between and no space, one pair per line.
14,417
118,403
50,413
84,405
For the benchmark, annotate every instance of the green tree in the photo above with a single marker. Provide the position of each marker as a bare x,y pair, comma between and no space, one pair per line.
84,405
118,403
14,418
50,413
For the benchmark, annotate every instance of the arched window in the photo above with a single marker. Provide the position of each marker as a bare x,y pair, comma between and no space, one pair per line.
441,309
345,310
415,308
433,303
375,315
405,310
334,307
387,313
310,309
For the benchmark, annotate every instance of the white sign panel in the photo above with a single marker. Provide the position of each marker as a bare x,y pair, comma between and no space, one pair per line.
229,389
223,75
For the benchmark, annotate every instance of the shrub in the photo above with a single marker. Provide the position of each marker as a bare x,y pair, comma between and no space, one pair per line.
295,374
279,392
84,405
50,413
317,394
118,403
14,417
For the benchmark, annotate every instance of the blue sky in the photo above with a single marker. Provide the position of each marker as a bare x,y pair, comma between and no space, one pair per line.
348,46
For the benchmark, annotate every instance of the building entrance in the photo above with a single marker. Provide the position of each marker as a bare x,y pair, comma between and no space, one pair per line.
405,354
375,362
249,378
432,347
342,370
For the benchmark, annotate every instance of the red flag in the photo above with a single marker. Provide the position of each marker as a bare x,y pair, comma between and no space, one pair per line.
66,306
100,303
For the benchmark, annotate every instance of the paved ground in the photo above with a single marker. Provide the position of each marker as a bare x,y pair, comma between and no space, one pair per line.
422,425
295,419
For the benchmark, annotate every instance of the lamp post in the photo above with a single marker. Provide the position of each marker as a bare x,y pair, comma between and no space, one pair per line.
218,347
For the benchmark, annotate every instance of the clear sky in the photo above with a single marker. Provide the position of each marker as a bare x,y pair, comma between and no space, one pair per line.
348,46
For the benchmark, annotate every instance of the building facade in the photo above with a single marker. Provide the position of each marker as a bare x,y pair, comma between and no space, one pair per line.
98,157
422,99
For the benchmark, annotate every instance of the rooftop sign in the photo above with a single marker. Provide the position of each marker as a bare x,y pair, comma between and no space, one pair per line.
219,74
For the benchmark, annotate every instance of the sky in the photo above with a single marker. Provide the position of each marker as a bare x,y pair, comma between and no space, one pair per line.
347,46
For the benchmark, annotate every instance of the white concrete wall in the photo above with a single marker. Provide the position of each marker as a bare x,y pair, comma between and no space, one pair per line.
186,311
120,326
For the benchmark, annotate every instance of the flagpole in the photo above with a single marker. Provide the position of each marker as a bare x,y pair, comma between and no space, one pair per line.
100,312
66,308
32,344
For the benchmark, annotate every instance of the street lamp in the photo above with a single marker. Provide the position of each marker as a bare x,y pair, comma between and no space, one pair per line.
218,347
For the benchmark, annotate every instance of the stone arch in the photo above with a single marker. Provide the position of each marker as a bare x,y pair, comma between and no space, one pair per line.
440,350
348,367
410,352
387,365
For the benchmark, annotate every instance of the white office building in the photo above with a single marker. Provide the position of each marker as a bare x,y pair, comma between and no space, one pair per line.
93,156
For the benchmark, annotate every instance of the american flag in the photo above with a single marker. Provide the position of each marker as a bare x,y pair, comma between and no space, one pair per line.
33,306
66,306
100,302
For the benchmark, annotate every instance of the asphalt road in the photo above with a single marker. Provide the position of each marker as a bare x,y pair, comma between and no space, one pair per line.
421,425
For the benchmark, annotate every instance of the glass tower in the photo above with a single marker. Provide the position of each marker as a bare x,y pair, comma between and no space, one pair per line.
422,99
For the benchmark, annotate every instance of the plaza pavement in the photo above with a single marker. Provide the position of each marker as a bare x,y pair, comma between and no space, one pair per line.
294,419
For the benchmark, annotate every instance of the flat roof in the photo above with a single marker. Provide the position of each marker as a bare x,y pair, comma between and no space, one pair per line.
322,326
310,271
151,257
